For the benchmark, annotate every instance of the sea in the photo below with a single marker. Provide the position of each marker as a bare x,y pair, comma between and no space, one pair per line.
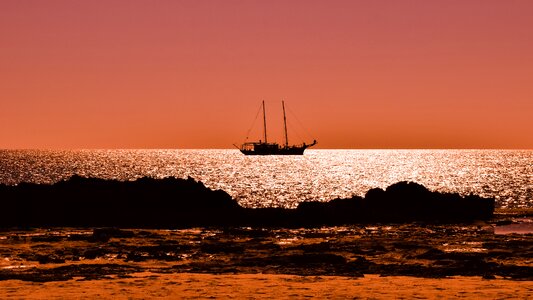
285,181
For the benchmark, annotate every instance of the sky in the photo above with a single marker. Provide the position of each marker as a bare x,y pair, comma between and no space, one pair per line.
192,74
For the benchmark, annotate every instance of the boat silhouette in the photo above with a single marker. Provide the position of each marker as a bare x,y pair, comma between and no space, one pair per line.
263,147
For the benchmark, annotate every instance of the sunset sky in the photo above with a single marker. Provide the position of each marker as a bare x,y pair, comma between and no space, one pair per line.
192,74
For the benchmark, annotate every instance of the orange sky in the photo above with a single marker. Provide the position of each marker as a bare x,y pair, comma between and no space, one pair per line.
192,74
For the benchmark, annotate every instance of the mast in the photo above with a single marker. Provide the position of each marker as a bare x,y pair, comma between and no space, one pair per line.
264,122
285,124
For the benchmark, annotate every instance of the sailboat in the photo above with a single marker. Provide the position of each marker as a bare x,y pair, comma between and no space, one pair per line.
266,148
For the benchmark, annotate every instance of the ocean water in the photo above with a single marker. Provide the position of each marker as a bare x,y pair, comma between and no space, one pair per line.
284,181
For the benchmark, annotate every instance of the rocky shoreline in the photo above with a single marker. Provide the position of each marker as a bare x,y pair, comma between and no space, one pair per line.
81,229
420,250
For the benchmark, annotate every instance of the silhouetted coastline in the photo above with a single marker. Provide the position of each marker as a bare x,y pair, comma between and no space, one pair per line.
179,203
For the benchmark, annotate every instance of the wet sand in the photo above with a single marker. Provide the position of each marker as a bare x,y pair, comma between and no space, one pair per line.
201,286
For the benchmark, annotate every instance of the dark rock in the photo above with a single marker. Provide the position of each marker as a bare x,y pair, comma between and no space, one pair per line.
104,234
49,259
46,238
221,247
400,202
91,202
173,203
88,271
92,253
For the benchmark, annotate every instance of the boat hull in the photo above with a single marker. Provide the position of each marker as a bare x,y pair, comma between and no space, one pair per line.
279,151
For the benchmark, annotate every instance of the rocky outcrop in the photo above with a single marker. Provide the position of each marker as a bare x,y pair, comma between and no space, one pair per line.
89,202
172,202
400,202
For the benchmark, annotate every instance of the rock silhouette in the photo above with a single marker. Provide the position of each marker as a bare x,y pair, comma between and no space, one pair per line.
400,202
174,203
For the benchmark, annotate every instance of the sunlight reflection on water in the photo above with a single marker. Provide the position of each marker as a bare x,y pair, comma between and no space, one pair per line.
259,181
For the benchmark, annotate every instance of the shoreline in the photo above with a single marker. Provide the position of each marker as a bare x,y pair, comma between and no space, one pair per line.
331,254
416,250
193,285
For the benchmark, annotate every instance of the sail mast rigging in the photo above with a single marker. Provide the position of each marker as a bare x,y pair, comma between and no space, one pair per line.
264,122
265,148
285,124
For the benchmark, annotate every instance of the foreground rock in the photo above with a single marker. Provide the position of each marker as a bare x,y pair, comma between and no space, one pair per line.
171,202
411,249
